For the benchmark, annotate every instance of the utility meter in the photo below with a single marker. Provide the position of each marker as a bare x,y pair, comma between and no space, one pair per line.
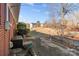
7,25
11,44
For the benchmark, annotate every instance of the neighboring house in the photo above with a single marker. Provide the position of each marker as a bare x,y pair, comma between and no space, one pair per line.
41,24
6,35
28,25
34,25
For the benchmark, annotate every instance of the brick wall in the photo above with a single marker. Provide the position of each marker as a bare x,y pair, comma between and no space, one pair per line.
2,31
5,36
12,26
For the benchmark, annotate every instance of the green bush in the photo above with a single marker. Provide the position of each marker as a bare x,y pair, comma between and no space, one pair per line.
21,25
21,28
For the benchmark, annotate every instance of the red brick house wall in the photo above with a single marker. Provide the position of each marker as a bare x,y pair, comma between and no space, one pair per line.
12,26
5,36
3,33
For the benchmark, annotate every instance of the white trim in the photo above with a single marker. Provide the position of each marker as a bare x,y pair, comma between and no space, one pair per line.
7,18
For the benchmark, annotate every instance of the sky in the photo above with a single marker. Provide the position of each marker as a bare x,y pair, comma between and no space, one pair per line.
33,12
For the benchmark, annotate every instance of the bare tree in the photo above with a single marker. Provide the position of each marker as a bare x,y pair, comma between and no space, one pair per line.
65,9
76,14
46,24
38,23
53,22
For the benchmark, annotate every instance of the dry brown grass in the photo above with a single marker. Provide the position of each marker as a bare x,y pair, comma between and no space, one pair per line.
48,31
54,31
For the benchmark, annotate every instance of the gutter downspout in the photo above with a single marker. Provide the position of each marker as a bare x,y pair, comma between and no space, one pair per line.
7,20
7,12
7,23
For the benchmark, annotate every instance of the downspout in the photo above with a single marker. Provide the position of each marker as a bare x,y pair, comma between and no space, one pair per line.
7,20
7,23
